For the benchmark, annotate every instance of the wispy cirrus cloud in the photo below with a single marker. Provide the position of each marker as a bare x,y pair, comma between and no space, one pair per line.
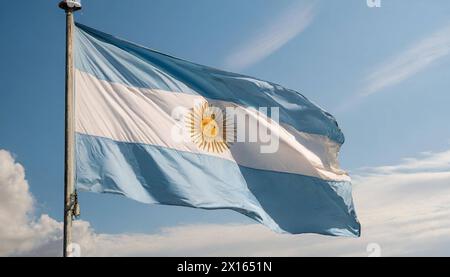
279,31
416,58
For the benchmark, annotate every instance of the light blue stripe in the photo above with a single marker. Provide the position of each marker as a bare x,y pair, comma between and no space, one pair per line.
115,60
157,175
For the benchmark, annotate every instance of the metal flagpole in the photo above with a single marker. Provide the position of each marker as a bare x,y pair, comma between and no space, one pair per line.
69,6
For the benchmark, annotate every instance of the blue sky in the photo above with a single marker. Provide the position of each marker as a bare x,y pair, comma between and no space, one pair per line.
383,72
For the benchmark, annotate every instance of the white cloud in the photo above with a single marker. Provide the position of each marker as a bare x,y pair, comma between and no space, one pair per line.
279,31
415,59
405,208
19,232
426,161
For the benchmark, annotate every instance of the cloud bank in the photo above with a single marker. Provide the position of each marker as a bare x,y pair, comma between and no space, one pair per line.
404,210
273,36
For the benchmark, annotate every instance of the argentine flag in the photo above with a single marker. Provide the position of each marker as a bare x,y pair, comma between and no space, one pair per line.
162,130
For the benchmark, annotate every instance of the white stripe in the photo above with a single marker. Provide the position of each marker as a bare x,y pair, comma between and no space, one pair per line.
138,115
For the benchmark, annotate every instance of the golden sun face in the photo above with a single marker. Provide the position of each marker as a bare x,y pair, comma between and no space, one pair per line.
208,128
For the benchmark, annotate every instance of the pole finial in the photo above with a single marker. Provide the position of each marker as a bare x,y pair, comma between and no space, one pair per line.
70,5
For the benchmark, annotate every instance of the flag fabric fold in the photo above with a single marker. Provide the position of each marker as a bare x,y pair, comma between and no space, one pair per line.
131,103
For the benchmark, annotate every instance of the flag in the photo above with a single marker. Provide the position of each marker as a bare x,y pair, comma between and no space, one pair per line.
162,130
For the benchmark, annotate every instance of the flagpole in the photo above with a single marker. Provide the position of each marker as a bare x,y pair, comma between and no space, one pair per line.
69,192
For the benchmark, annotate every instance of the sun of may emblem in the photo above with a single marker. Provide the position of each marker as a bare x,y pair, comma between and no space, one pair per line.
209,128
